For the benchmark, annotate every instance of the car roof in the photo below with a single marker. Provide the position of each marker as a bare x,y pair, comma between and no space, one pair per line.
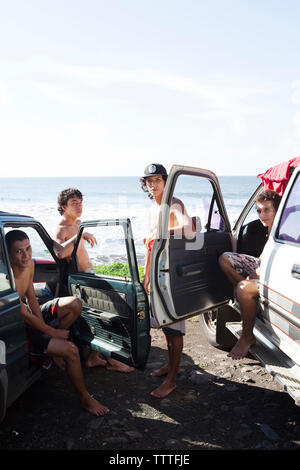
5,215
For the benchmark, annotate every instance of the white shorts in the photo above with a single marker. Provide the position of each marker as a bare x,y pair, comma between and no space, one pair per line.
176,329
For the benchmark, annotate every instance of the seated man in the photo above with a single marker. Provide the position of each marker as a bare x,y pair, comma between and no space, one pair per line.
243,272
47,325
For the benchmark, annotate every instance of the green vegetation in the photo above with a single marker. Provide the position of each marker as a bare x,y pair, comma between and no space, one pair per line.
116,269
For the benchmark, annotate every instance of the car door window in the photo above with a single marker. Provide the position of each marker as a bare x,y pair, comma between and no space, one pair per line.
198,197
252,235
115,310
107,256
185,276
289,229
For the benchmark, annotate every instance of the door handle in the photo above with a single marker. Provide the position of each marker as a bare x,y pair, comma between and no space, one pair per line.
296,271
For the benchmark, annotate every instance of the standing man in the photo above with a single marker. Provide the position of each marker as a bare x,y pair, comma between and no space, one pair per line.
243,271
153,182
48,325
70,207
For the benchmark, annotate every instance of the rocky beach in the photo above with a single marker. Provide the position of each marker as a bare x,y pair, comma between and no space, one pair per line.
219,404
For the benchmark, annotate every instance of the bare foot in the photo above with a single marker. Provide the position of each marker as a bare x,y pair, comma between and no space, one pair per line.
162,371
59,362
241,349
163,390
95,360
159,372
93,406
118,366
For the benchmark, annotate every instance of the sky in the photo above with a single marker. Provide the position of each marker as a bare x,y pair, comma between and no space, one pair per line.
103,88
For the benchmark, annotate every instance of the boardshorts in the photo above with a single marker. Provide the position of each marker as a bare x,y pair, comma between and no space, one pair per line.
242,264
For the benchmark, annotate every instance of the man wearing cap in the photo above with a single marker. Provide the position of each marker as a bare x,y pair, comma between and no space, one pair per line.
153,182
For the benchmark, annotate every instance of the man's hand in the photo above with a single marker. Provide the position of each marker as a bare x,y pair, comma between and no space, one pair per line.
255,274
59,333
89,238
58,249
146,284
23,308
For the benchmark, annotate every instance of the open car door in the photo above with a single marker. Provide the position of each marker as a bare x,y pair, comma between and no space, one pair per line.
115,307
185,276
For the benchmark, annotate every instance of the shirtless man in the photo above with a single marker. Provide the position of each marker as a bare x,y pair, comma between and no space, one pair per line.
48,325
153,182
243,271
70,207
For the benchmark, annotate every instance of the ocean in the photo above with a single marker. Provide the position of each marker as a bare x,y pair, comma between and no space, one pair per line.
110,198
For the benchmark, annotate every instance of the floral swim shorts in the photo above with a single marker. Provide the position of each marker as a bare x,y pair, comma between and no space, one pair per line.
243,264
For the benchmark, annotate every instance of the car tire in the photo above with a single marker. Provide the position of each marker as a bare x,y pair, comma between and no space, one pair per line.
208,325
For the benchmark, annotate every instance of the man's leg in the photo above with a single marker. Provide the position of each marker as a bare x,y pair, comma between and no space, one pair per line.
175,346
229,270
174,340
69,352
117,366
68,310
247,292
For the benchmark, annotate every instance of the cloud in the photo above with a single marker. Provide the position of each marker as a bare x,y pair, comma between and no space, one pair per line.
230,105
217,95
55,79
61,111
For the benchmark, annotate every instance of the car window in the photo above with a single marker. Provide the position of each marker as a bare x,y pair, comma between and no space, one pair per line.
289,229
252,215
39,249
198,197
44,282
4,278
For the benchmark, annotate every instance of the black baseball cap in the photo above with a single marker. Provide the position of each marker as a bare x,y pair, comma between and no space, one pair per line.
155,169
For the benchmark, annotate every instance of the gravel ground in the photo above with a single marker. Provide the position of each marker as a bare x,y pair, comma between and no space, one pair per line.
219,404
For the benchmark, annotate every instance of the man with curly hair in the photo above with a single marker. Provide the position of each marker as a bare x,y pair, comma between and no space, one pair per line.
70,207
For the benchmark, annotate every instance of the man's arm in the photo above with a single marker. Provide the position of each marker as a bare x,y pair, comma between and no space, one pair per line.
146,279
180,220
63,247
37,324
34,317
